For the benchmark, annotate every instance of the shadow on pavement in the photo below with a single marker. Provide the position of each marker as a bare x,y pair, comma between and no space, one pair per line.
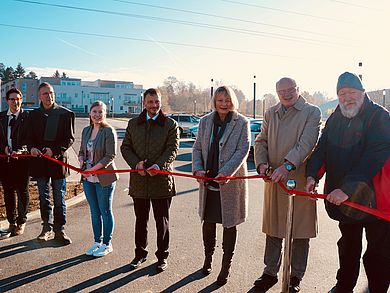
210,288
33,275
186,144
24,246
184,168
187,191
256,290
185,281
149,270
250,165
184,157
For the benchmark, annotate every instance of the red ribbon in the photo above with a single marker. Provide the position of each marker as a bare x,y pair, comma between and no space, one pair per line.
368,210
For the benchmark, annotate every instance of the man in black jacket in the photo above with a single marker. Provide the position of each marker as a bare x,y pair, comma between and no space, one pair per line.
50,132
354,146
15,177
151,143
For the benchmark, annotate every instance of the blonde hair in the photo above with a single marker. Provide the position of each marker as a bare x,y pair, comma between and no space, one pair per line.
98,103
228,92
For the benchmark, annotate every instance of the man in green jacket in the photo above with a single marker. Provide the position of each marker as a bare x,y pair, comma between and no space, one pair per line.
151,143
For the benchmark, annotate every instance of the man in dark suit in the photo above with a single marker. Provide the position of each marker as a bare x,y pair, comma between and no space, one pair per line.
50,132
15,177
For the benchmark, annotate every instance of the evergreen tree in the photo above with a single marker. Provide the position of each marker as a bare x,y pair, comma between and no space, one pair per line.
19,71
9,74
32,74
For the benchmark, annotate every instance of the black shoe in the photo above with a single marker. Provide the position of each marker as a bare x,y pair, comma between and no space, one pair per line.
62,238
294,285
265,282
136,262
337,290
162,265
206,269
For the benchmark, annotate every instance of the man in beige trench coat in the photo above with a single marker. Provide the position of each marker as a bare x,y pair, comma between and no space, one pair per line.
288,135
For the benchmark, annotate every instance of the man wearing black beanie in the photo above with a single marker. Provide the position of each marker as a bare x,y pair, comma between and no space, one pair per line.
355,148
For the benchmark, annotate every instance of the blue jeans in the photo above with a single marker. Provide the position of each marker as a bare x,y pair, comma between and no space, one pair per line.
59,189
100,202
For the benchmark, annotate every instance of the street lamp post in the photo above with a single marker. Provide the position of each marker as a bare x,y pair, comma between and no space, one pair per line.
112,99
254,97
141,101
384,98
194,107
211,94
360,69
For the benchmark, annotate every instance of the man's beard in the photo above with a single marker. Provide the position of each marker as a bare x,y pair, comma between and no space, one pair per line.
351,112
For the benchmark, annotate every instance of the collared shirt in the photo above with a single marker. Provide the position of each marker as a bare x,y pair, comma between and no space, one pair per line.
299,105
154,118
9,114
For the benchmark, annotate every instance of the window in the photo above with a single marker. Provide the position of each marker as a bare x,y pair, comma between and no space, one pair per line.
185,119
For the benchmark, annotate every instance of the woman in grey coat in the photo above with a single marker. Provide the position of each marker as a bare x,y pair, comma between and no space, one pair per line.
97,151
220,150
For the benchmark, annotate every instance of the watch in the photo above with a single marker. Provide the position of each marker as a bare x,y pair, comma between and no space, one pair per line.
288,167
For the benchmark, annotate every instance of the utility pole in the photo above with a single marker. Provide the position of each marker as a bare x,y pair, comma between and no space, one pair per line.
211,94
254,97
360,70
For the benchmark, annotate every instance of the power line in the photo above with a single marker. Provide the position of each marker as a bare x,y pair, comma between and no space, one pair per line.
142,40
191,23
222,17
285,11
355,5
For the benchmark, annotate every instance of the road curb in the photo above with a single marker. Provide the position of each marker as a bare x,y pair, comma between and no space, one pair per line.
36,214
70,202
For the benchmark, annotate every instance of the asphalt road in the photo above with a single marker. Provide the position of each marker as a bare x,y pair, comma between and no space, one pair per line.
29,266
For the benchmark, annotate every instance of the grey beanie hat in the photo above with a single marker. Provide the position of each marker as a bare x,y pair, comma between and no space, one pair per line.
351,80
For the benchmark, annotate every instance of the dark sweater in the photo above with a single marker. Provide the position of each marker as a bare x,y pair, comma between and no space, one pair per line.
353,151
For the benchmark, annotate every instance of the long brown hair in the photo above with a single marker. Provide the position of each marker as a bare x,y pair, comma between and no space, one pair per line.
104,123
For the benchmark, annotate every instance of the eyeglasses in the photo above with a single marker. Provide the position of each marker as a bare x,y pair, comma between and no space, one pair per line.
287,91
14,99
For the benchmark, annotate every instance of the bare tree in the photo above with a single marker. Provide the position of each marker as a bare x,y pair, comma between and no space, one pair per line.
56,74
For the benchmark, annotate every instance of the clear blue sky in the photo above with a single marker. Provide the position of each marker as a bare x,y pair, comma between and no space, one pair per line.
312,41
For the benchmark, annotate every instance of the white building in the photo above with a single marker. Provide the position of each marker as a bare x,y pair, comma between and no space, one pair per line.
121,97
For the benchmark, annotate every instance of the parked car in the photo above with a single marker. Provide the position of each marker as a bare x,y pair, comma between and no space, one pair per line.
255,126
194,131
185,122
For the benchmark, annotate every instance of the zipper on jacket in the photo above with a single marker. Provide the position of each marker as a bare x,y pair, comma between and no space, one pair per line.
147,139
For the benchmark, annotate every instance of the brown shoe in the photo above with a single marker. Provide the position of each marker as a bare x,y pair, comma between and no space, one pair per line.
45,235
20,229
11,229
62,238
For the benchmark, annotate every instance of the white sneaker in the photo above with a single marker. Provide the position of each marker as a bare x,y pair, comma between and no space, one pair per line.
94,248
103,250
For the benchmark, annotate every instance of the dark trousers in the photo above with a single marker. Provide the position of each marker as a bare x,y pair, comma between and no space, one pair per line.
161,217
15,184
376,259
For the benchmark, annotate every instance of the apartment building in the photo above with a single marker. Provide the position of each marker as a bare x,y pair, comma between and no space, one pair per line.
121,97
